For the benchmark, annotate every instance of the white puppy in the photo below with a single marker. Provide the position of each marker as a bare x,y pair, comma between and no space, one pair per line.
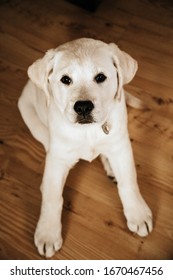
74,104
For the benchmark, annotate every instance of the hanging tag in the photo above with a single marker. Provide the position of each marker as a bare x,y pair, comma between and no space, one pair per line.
105,128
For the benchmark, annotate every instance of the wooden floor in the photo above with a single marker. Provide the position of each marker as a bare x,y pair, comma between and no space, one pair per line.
94,226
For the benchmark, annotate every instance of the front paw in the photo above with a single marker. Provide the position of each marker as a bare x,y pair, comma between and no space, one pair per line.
47,239
139,218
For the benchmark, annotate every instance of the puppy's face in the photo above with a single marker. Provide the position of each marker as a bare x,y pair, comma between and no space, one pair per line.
84,84
84,76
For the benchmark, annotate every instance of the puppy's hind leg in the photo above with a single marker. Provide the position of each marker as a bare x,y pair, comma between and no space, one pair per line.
108,168
36,127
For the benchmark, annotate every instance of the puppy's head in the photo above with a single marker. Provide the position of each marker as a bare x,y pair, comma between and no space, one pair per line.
84,77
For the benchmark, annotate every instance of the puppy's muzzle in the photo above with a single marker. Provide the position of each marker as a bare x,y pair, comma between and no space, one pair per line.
83,110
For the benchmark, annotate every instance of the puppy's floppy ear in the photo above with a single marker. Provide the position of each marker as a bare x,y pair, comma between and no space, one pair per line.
39,71
126,67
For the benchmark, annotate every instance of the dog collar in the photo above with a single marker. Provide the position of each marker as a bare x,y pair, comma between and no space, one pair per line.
106,128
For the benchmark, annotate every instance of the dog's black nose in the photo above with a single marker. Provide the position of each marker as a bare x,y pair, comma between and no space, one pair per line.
83,108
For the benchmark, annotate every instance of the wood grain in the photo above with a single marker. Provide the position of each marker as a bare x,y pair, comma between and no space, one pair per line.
94,226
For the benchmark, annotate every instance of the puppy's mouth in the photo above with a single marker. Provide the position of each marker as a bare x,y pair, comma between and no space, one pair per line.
85,119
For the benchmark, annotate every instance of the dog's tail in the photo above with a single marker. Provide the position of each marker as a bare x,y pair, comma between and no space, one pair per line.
134,101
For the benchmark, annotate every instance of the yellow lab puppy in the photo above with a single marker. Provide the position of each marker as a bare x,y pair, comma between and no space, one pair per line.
74,104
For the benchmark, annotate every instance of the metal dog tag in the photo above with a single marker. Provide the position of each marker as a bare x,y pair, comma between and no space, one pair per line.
105,128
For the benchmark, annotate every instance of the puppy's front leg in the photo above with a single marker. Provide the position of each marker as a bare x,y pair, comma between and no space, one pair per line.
48,231
137,212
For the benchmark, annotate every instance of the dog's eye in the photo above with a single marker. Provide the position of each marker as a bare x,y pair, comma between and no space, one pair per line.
66,80
100,78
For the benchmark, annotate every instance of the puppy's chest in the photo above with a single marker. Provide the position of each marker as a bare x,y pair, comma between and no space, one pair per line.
91,145
81,142
88,154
